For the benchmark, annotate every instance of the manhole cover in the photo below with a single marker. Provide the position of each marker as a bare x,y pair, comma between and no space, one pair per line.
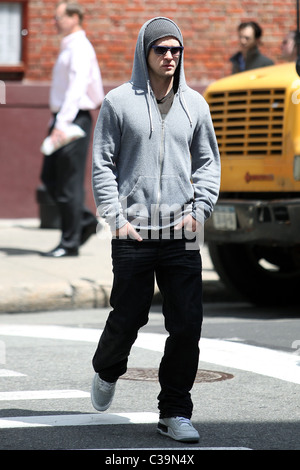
152,375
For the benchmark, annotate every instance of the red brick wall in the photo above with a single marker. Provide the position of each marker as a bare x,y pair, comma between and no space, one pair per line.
208,26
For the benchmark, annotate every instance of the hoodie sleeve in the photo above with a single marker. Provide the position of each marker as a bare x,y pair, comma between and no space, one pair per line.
205,166
106,146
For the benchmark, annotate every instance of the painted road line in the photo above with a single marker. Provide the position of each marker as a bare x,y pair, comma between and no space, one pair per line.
271,363
89,335
42,395
10,373
77,420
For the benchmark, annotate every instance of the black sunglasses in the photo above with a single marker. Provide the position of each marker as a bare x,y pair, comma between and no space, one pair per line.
162,50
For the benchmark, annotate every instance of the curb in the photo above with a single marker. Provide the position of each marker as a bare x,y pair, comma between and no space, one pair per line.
82,294
59,296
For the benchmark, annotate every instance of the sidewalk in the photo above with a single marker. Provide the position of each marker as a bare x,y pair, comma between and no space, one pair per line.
32,283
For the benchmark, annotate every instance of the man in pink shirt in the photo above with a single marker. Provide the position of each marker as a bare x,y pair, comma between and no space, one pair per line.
76,89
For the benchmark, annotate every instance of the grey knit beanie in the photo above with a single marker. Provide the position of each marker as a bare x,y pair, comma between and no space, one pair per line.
160,28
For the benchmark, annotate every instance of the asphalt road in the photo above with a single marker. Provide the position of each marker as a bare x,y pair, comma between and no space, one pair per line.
246,395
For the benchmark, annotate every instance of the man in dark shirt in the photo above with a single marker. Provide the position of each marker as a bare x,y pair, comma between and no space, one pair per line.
249,57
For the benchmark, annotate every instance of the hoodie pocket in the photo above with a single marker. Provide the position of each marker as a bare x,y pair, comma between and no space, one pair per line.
138,201
175,191
170,197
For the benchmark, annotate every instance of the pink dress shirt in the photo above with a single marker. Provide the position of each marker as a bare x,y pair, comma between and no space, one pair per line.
76,82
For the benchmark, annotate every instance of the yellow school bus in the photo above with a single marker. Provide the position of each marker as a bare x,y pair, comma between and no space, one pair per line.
254,232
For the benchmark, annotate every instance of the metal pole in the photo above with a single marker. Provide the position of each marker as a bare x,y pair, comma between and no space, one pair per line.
298,38
298,28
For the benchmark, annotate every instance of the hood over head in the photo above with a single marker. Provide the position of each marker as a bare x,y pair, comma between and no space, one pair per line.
151,31
158,29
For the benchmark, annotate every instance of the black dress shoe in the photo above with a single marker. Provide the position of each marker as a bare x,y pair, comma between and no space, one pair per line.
60,252
87,232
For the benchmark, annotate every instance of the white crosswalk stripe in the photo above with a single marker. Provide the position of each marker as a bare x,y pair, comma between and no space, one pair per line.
78,420
42,395
271,363
97,419
10,373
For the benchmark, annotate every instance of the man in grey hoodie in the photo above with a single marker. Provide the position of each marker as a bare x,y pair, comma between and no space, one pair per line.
156,176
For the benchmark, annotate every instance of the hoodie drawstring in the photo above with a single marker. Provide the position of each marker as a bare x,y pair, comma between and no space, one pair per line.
181,96
149,106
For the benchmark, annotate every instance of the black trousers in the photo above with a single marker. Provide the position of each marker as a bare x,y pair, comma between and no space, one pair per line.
63,174
179,276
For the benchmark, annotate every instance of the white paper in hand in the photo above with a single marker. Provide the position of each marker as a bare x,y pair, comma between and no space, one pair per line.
73,132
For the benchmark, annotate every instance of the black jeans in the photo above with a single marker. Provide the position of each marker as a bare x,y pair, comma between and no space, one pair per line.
63,174
179,277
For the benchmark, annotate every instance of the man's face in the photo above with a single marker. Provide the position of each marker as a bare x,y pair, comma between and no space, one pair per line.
247,39
163,66
288,47
65,24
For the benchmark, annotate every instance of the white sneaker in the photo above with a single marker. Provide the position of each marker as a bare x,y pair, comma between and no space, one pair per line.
102,393
179,428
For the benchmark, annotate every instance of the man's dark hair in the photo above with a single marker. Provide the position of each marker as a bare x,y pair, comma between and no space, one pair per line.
255,26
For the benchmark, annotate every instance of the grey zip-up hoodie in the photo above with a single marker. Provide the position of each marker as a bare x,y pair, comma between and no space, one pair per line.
149,171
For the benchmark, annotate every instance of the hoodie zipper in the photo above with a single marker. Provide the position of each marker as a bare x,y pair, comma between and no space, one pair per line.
161,158
155,213
155,210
